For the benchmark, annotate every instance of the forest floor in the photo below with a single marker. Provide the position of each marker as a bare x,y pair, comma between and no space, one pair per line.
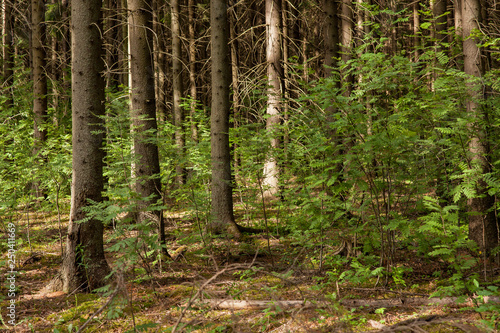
258,284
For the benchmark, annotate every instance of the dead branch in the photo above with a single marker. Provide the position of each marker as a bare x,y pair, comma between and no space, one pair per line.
285,304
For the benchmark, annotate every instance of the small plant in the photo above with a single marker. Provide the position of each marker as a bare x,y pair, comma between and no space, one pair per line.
491,310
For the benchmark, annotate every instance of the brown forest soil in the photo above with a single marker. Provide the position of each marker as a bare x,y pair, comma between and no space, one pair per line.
226,270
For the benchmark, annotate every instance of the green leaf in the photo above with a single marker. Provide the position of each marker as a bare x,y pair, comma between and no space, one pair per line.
425,25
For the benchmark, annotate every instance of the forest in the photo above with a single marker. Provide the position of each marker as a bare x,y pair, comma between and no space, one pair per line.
250,165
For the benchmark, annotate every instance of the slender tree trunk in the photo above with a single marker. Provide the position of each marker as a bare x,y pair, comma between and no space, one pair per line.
331,32
274,75
123,53
192,68
222,191
346,44
84,265
8,59
483,227
332,53
347,28
234,77
286,20
55,73
112,28
416,29
143,112
66,56
39,81
457,16
159,57
177,88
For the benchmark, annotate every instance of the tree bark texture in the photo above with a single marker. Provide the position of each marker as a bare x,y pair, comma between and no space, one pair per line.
143,109
331,32
159,57
273,110
123,52
178,88
38,39
346,33
234,77
222,190
193,89
84,265
440,20
457,16
8,59
483,227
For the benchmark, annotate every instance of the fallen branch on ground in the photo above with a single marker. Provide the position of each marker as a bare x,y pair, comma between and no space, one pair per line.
376,303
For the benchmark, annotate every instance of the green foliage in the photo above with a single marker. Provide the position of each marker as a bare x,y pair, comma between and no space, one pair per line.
366,158
381,162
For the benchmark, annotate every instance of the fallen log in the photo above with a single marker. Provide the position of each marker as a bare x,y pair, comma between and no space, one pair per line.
354,303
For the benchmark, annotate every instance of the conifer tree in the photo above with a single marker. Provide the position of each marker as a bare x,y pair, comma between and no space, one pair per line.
84,264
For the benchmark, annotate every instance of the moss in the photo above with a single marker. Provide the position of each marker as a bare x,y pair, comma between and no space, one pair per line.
80,311
179,290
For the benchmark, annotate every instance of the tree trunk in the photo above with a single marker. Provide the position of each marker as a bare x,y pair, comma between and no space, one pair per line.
457,14
274,74
347,27
286,22
177,89
66,56
483,228
234,78
112,28
332,49
416,29
84,265
159,57
39,82
143,112
192,68
123,53
8,59
331,32
55,73
222,191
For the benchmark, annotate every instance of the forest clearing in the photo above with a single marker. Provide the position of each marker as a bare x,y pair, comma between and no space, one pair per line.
250,166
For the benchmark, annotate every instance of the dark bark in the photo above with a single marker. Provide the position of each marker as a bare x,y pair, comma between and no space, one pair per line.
123,46
8,59
39,82
159,57
84,265
143,111
346,41
111,36
331,32
193,89
222,191
178,88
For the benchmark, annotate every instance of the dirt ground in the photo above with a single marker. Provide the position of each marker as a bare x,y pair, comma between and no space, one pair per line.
258,284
